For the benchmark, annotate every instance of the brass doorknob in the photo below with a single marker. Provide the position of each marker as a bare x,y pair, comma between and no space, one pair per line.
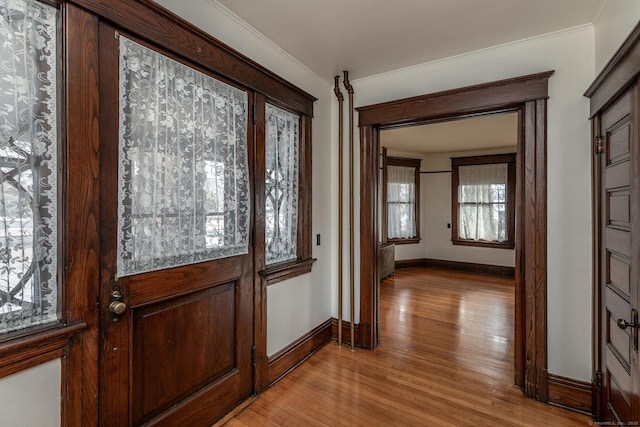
117,307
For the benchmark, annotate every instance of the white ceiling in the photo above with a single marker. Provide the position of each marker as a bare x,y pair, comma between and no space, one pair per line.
369,37
484,132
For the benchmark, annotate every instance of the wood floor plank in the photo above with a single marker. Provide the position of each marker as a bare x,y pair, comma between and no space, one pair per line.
445,359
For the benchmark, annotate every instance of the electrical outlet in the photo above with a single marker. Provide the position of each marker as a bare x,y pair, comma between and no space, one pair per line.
448,225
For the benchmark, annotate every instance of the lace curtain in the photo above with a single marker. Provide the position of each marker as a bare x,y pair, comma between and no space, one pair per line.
281,183
28,164
183,190
401,200
482,199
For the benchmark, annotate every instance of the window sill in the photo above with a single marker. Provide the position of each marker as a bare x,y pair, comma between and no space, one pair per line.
408,241
20,351
287,270
484,244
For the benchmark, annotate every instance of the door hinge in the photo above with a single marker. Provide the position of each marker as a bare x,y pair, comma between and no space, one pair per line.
598,380
253,355
599,145
255,114
253,237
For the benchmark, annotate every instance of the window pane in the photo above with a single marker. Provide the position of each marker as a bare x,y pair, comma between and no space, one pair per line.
28,164
482,199
401,199
281,183
183,172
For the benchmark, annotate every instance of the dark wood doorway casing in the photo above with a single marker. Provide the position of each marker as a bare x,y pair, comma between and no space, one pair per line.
528,96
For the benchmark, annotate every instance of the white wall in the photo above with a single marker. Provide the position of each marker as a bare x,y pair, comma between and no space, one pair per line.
32,397
571,54
615,22
296,306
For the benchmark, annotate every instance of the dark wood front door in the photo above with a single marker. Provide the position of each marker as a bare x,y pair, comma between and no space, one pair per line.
180,352
619,237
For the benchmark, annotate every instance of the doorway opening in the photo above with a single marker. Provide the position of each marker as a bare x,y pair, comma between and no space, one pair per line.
527,96
415,226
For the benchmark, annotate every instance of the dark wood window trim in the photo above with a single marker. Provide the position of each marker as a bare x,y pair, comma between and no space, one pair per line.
36,346
303,263
456,162
408,163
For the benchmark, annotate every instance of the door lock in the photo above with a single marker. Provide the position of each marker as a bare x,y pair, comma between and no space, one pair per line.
116,306
623,324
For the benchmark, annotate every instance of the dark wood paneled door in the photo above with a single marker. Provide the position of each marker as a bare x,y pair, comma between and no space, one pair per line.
180,352
619,236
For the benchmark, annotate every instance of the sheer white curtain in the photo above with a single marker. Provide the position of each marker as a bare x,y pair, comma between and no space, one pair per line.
183,191
401,200
28,164
281,185
482,201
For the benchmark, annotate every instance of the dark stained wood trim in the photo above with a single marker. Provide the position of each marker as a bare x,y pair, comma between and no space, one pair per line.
408,163
369,270
304,263
305,227
346,328
483,160
36,348
570,393
534,252
486,97
411,263
456,162
492,270
527,95
261,361
287,270
408,241
617,74
298,351
81,274
157,25
596,290
519,294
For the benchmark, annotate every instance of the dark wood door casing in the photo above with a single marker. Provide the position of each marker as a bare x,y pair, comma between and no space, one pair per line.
527,95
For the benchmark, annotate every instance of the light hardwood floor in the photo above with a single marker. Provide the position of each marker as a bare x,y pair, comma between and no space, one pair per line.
445,359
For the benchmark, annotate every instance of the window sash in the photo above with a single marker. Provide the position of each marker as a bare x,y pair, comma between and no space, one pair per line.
483,200
183,192
402,218
28,164
281,185
478,188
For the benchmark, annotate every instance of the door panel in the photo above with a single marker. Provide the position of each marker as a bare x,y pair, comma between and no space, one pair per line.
204,323
181,352
618,282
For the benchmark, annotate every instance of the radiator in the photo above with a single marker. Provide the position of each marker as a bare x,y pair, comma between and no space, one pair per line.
387,261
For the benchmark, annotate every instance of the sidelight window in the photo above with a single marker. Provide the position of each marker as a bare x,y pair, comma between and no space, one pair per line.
183,181
28,164
281,185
